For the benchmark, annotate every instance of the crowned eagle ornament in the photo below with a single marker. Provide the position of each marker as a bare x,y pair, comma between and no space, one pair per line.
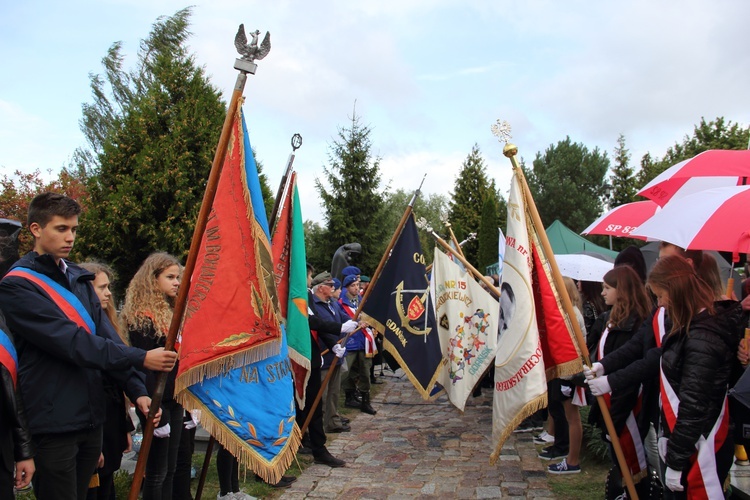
251,51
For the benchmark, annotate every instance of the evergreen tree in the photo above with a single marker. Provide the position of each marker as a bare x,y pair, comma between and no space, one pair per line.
717,134
152,138
567,183
428,206
623,177
488,235
353,202
471,189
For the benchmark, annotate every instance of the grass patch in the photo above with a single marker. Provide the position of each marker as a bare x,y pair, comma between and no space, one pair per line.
595,465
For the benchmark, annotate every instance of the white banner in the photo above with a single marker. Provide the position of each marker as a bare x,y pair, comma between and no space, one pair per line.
520,381
467,318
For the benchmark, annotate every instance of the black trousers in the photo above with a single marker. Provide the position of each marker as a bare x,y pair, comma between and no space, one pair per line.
162,457
229,472
65,463
557,412
317,434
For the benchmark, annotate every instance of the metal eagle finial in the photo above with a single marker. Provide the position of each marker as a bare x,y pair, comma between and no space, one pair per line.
251,51
501,130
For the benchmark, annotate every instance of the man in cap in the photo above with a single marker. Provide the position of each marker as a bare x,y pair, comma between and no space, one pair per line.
327,308
328,332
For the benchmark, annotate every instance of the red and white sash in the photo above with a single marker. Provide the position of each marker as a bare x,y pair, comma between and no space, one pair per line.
630,437
702,478
370,349
657,324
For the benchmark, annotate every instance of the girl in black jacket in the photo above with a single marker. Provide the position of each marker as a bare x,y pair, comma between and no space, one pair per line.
149,302
695,446
624,291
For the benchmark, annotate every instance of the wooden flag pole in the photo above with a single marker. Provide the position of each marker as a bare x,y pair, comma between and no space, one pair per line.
244,66
510,151
204,468
335,363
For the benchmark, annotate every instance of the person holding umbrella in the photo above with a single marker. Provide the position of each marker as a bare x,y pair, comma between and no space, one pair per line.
695,446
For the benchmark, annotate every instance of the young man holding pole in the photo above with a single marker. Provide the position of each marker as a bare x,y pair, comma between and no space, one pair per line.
63,344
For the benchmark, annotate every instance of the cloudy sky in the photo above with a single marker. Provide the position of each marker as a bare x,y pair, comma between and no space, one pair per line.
428,76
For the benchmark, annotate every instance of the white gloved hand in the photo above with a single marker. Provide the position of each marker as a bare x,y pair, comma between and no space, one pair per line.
162,432
599,386
672,480
596,370
349,326
339,350
195,418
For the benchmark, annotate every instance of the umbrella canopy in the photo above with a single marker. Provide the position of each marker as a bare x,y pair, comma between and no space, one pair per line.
715,219
582,267
622,220
741,390
709,169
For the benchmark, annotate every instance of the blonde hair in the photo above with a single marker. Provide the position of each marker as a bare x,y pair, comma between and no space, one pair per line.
96,268
144,302
573,293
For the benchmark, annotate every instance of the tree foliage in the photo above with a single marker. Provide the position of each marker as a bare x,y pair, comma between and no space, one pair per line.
352,198
622,179
716,134
429,207
152,133
488,236
471,188
18,190
567,183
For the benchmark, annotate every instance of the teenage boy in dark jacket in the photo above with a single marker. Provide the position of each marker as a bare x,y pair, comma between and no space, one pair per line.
63,344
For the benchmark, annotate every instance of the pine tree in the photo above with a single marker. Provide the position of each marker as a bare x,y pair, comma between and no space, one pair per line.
353,202
623,177
152,137
488,235
471,189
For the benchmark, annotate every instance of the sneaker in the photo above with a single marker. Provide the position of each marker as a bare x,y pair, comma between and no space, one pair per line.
326,458
552,453
742,462
544,438
563,468
523,428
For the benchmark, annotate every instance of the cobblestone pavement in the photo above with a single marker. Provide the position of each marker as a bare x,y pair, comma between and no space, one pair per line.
419,449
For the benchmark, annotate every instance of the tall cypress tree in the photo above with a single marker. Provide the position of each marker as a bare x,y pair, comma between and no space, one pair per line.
152,134
471,189
353,200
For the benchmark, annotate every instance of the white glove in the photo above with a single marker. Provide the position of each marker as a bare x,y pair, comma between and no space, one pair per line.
339,350
596,370
349,326
672,480
195,418
162,432
599,386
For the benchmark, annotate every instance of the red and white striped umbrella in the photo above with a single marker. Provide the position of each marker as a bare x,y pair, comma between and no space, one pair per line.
714,219
623,220
709,169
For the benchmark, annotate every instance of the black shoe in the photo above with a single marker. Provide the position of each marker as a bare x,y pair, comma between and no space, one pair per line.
343,428
552,453
326,458
304,450
344,420
284,482
351,400
376,381
365,406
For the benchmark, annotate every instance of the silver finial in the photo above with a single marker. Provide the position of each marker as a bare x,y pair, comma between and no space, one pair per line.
250,51
423,224
445,219
501,130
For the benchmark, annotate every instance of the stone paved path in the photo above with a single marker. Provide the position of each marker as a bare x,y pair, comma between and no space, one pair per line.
418,449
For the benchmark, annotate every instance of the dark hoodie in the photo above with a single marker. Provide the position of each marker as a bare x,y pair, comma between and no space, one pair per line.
698,363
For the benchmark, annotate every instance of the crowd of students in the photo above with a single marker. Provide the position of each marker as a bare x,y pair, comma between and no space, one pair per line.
666,348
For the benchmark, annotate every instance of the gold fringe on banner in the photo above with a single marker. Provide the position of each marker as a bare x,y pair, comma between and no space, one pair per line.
529,409
220,366
270,472
425,393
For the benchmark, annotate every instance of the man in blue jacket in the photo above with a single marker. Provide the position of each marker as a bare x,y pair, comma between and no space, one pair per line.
63,344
